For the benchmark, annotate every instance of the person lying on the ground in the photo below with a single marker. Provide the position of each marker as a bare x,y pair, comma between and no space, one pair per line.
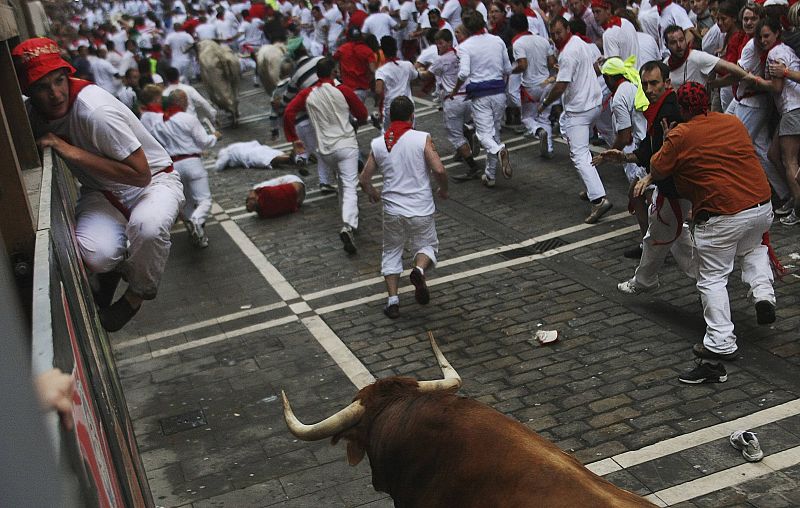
276,197
250,154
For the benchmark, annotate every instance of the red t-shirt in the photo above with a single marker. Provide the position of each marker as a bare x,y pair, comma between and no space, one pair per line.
354,59
277,200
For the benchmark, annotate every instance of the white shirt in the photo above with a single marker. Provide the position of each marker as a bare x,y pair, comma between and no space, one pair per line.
648,20
445,69
648,49
335,23
280,180
536,25
183,134
482,58
179,43
253,33
102,125
620,41
535,49
396,77
624,113
330,115
576,68
151,121
406,184
104,73
673,14
127,96
713,40
789,98
428,55
198,105
696,68
378,24
482,9
751,62
205,31
408,12
451,12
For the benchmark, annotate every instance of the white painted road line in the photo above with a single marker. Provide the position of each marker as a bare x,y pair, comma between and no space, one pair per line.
467,257
198,325
727,478
484,269
358,374
209,340
267,270
696,438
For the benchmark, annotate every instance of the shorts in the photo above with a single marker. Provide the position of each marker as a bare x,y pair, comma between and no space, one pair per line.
790,123
418,232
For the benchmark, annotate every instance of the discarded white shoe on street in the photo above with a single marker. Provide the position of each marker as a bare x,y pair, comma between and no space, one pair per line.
747,442
546,337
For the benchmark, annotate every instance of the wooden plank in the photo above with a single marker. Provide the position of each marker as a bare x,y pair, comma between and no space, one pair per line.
11,97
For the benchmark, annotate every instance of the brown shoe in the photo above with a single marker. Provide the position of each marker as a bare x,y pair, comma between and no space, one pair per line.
598,211
421,293
505,162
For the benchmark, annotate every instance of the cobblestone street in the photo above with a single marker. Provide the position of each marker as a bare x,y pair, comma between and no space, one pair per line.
277,305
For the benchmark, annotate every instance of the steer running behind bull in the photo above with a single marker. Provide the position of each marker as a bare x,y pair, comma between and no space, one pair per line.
430,448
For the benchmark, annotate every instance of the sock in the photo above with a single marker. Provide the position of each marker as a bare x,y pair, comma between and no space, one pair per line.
393,300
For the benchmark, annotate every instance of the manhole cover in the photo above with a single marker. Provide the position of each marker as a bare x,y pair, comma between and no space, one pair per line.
536,248
181,422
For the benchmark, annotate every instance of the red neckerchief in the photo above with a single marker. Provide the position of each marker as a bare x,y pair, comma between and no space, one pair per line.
395,132
521,34
463,3
75,87
562,11
619,81
652,110
765,53
530,12
560,46
441,23
171,111
584,38
785,23
153,107
662,7
496,29
675,63
612,21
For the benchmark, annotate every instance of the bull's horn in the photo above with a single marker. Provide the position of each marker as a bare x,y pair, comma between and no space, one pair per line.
328,427
451,377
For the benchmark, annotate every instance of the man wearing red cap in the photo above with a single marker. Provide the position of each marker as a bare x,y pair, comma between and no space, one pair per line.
713,163
129,194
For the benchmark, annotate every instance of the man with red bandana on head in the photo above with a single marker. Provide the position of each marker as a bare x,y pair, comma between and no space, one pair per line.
619,35
713,162
129,194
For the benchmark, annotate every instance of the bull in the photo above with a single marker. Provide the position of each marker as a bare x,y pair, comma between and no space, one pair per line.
219,68
430,448
272,65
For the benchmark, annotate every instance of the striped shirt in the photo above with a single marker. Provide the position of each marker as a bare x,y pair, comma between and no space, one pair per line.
304,76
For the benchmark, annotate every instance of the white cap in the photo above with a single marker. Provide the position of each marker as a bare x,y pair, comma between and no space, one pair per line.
776,2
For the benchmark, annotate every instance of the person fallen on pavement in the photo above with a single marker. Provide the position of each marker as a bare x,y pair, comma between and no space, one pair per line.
250,154
277,196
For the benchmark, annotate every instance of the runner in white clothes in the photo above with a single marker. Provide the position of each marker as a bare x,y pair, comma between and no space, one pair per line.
378,23
577,86
129,195
392,79
185,139
198,105
181,44
483,61
535,60
619,35
406,157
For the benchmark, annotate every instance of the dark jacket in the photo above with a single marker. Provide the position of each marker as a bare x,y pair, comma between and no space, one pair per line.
654,139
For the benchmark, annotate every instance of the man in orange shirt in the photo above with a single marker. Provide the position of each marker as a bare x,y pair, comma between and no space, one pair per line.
712,161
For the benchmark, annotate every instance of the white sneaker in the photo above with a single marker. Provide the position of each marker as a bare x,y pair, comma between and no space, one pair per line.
199,237
785,209
488,182
747,442
631,287
791,219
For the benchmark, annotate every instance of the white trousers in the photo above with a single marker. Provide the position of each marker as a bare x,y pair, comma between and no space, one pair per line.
137,247
755,120
532,119
194,178
457,112
718,243
577,128
345,162
419,232
512,90
307,134
487,114
184,66
666,232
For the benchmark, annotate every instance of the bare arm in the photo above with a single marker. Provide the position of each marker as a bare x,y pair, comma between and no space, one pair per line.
132,170
623,138
435,165
520,65
365,179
